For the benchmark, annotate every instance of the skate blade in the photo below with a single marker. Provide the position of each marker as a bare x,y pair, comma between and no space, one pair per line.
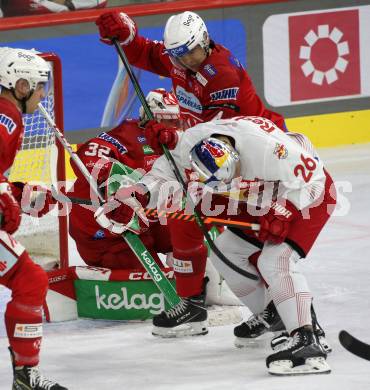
316,365
257,342
183,330
218,315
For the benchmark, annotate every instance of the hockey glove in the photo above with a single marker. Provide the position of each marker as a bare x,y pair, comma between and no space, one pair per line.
275,224
116,25
123,211
35,200
10,210
157,134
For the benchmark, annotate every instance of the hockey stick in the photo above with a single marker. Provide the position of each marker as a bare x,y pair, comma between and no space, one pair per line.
63,198
175,168
133,241
354,345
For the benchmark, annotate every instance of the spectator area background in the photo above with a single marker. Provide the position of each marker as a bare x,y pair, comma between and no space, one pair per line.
259,33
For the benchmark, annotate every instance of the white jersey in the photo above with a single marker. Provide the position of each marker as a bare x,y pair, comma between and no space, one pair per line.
271,160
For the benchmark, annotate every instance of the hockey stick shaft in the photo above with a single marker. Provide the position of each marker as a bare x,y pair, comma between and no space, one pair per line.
133,241
62,198
353,345
174,166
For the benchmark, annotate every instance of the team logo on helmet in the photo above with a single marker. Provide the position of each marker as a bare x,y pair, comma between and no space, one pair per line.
212,155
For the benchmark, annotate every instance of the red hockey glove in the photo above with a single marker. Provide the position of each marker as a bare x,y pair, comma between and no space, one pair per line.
276,223
116,25
10,210
117,215
157,134
35,200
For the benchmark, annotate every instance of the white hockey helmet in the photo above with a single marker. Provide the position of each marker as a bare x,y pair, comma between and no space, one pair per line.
18,64
214,160
163,104
183,32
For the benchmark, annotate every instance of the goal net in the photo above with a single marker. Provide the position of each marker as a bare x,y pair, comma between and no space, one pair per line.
40,160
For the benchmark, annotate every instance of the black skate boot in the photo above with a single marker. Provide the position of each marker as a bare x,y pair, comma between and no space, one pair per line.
280,341
319,332
187,318
30,378
259,324
303,355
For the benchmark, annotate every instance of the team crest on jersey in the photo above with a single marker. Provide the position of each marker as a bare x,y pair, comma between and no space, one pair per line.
280,151
141,139
225,94
188,100
7,123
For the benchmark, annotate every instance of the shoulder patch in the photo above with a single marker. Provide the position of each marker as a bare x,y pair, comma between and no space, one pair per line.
225,94
210,70
7,123
234,61
106,137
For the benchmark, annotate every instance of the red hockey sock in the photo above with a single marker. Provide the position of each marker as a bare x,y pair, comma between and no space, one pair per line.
23,316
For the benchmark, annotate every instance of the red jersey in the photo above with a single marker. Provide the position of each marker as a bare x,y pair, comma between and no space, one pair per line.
11,133
220,85
127,144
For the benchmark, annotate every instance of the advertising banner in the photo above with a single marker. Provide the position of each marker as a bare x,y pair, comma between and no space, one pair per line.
317,56
120,300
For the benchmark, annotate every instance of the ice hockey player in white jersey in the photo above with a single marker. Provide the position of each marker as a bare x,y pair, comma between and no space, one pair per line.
271,180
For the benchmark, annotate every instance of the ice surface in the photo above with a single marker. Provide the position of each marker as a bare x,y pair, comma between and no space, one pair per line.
102,355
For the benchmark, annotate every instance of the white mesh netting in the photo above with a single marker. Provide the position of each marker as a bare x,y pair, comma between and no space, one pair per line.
36,163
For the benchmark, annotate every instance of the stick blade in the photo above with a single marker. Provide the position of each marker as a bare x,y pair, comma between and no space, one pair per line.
354,345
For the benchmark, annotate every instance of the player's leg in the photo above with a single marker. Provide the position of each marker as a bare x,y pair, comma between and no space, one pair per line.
292,297
23,316
253,294
189,263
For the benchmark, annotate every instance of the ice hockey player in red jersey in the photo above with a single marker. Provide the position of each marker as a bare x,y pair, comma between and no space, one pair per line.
283,187
209,82
126,144
207,79
23,79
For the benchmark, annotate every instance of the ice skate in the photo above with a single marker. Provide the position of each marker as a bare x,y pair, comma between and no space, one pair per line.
188,318
259,324
30,378
280,341
302,356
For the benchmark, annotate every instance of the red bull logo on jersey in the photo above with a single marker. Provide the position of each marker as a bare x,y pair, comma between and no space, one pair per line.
281,151
7,123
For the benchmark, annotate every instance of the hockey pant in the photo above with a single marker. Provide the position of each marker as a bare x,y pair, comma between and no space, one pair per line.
281,279
23,316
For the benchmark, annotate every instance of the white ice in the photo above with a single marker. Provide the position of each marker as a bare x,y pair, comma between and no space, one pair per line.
102,355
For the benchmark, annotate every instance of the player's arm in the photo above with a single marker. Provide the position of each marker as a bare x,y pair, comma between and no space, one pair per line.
140,51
